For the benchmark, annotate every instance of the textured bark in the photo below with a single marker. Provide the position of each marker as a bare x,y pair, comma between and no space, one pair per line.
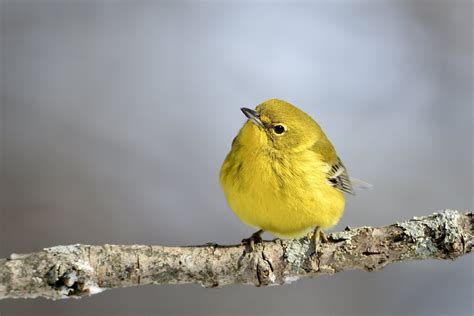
78,270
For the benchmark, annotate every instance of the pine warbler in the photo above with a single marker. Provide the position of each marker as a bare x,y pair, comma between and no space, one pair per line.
282,174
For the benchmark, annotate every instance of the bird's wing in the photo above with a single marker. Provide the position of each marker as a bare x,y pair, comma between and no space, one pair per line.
339,178
337,175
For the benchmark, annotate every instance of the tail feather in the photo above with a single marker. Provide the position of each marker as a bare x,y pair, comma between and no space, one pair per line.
359,184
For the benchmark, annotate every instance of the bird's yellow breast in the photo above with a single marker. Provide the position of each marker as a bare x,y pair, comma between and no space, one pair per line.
285,194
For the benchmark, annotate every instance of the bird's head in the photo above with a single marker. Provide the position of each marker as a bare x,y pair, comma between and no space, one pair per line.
279,125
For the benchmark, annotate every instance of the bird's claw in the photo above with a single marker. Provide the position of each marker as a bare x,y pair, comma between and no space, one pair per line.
318,236
252,240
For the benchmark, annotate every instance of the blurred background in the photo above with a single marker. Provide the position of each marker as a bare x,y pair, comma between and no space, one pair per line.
116,117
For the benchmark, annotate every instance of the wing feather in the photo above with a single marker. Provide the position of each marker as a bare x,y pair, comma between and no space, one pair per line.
339,178
337,175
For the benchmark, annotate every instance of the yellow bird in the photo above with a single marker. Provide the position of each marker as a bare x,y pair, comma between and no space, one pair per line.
282,174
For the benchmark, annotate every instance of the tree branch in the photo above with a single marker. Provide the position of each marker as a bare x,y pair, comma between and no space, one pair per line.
78,270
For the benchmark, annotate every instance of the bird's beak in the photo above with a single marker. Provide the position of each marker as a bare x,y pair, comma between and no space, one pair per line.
253,116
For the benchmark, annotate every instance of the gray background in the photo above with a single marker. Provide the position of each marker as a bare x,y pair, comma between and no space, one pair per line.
116,116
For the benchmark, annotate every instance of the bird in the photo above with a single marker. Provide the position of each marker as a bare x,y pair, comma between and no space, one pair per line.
282,174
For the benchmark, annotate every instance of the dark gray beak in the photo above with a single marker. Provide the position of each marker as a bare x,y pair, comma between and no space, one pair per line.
253,116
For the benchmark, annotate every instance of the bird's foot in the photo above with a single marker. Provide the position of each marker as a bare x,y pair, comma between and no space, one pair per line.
252,240
318,236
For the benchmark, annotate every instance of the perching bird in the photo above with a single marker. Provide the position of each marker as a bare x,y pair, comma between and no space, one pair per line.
282,174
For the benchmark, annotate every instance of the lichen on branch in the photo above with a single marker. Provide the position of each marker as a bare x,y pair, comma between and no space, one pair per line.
78,270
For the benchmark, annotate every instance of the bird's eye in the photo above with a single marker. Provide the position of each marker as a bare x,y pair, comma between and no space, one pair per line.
279,129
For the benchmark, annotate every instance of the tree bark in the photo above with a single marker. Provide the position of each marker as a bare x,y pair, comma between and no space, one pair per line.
79,270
